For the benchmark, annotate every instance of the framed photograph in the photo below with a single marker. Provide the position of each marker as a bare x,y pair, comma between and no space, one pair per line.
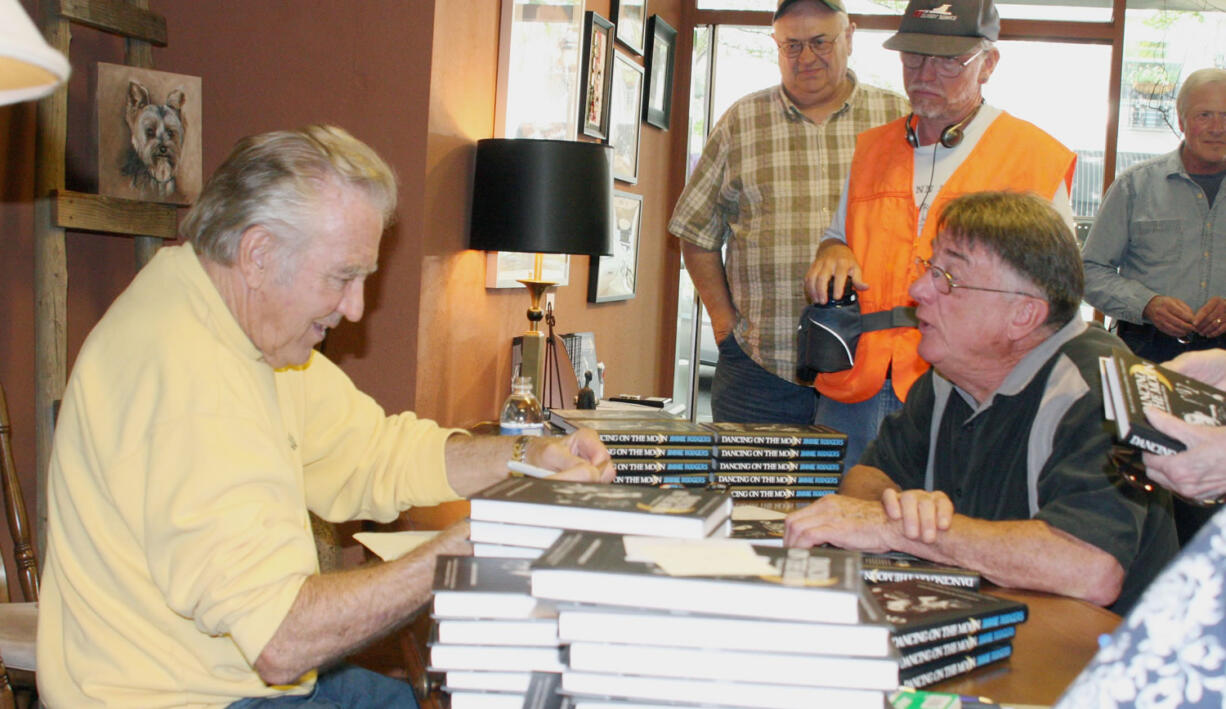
614,277
661,49
597,73
631,19
626,106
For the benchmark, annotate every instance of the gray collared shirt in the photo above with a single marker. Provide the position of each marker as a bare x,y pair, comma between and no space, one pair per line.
1155,234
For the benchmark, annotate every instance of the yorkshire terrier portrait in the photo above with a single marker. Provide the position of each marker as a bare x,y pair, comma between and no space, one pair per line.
152,159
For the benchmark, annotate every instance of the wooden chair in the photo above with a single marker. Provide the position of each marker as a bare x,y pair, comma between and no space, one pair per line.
18,621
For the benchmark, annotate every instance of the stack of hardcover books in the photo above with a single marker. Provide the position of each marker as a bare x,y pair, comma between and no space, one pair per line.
752,461
521,517
1131,383
490,634
942,631
658,621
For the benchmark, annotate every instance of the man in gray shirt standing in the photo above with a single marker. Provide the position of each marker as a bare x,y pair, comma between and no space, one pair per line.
1155,259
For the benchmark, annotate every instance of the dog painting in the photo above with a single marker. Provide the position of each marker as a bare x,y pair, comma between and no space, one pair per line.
148,134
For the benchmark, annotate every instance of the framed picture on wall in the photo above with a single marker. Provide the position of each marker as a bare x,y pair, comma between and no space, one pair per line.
626,105
661,48
631,19
615,277
596,72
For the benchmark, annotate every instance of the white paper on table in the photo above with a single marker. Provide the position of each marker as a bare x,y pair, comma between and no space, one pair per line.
698,557
390,546
742,513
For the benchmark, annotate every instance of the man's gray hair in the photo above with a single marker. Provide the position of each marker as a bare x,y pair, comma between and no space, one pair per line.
276,179
1195,80
1026,233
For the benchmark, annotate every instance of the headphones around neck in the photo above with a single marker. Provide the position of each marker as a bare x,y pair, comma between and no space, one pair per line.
950,137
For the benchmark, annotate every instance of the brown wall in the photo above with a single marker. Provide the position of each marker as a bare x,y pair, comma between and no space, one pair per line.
433,339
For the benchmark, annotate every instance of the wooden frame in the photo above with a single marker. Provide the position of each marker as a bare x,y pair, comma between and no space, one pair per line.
626,108
658,82
630,16
615,277
596,73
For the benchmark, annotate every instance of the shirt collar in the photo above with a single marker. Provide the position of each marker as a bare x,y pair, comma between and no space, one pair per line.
793,113
1025,370
219,317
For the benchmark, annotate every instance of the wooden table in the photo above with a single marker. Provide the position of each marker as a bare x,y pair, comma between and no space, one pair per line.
1057,640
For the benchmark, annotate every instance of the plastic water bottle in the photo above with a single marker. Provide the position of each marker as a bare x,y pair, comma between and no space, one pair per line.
521,414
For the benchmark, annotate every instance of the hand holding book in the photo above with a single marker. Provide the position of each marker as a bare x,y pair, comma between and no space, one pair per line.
1198,473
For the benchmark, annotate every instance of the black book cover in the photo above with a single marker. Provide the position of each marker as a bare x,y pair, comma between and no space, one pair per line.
662,450
966,644
1135,383
778,435
943,669
469,573
685,512
805,584
923,612
764,465
897,566
828,479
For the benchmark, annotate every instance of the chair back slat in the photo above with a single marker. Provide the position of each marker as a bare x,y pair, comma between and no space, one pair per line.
15,510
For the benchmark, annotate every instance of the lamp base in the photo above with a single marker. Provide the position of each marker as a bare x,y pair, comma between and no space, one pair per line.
533,352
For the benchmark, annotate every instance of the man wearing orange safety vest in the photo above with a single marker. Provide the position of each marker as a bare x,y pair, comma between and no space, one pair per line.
953,143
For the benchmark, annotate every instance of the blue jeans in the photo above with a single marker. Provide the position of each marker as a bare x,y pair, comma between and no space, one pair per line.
343,687
859,421
743,392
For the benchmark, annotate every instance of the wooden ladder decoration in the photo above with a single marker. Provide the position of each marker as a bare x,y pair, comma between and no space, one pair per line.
58,209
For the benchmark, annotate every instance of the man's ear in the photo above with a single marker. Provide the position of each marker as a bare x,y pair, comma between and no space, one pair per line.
256,258
1029,314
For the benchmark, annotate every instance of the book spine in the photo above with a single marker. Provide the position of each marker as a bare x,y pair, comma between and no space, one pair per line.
966,626
930,653
655,438
648,451
777,466
695,480
776,479
953,668
779,493
945,578
781,440
627,465
741,452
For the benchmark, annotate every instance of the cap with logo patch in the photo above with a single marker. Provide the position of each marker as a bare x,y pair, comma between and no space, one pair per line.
784,5
945,29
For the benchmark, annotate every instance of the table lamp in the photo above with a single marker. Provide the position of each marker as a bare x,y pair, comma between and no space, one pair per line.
29,67
542,197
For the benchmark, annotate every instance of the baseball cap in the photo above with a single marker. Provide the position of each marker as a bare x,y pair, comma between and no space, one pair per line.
945,29
836,5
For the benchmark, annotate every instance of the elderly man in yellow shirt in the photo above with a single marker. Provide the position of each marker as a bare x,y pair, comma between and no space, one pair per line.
198,429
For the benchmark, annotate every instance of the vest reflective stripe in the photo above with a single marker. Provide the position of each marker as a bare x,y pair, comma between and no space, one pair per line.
881,224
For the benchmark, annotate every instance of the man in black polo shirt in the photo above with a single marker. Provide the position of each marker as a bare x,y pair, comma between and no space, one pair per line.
998,461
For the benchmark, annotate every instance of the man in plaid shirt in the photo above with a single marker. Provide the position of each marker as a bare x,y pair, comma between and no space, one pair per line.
766,187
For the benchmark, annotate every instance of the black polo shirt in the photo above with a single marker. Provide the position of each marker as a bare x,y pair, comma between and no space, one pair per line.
1036,448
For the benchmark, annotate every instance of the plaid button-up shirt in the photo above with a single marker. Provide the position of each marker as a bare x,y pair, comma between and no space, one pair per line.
767,185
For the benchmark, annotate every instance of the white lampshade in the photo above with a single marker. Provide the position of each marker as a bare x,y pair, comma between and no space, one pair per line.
29,67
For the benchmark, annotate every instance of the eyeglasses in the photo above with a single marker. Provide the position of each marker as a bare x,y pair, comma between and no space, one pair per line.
821,45
949,67
945,284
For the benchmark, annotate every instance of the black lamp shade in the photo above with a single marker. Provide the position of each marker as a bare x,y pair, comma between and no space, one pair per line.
543,196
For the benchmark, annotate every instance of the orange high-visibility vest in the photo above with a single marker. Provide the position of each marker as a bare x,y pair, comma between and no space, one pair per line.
881,225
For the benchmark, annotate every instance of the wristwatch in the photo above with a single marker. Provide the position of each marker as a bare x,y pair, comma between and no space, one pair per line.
519,449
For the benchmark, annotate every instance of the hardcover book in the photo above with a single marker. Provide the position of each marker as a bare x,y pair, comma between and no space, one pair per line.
724,452
897,566
626,509
487,681
928,653
826,479
465,699
686,479
735,665
763,465
505,551
662,465
780,492
490,658
536,632
759,531
469,587
923,612
778,435
524,535
1135,383
870,637
943,669
821,585
658,450
718,692
671,431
